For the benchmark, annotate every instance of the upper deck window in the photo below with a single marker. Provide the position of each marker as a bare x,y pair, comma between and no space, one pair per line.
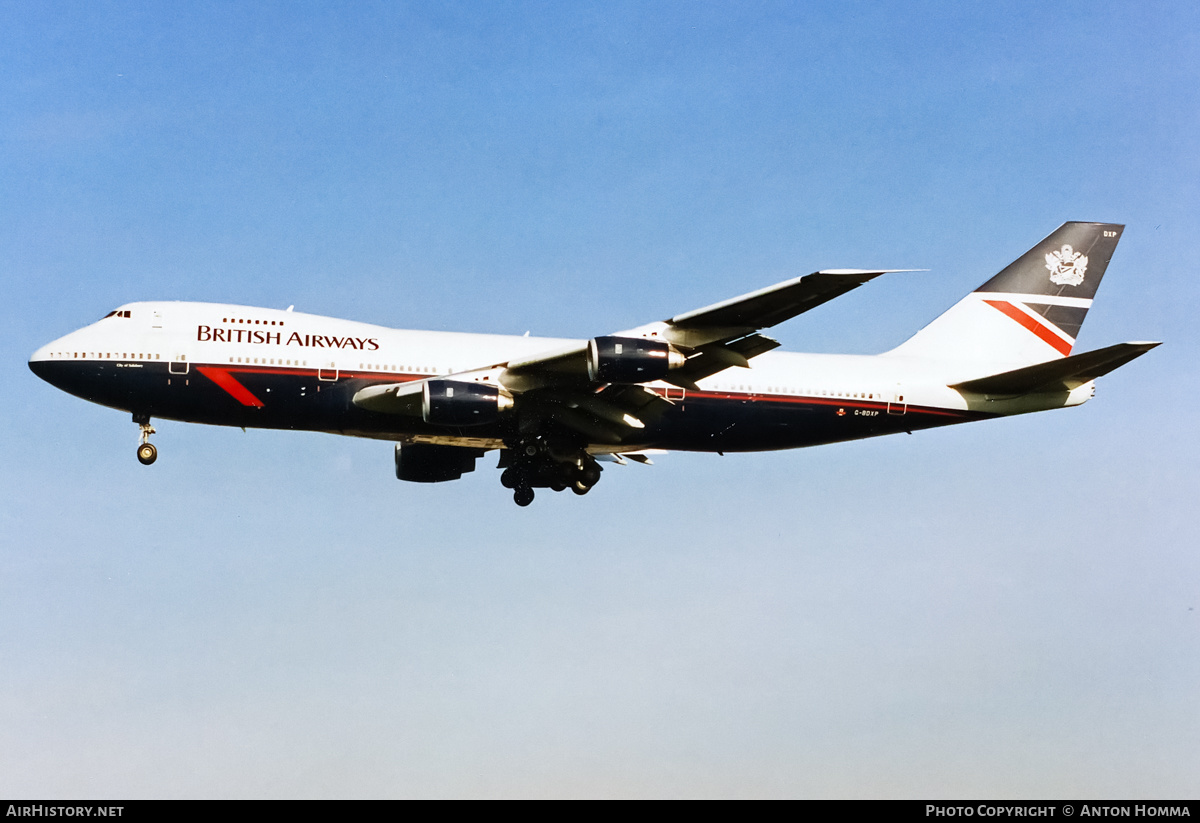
247,321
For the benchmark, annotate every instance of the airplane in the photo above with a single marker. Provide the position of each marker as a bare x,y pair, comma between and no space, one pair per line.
555,408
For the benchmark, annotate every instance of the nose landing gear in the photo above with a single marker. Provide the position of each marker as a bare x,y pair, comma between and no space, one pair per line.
146,453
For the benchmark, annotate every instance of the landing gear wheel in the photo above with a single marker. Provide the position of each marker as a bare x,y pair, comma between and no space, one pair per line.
523,496
580,488
508,478
590,474
146,453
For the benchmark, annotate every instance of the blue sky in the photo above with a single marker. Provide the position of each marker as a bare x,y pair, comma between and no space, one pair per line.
999,610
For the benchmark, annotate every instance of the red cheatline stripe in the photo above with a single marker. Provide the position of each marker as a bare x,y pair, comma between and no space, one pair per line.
804,400
226,381
1060,345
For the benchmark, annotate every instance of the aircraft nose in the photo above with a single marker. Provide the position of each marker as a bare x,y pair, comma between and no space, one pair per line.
42,362
37,361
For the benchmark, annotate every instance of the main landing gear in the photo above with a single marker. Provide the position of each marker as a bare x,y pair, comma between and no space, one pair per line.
146,453
532,463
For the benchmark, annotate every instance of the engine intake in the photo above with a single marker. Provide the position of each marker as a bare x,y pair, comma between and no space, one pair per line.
459,403
631,359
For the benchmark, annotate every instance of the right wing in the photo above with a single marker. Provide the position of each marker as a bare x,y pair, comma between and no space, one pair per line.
713,338
767,307
703,342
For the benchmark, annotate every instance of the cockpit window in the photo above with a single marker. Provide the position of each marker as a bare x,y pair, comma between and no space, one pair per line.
116,313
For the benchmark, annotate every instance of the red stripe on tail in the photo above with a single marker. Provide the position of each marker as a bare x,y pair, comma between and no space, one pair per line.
1060,345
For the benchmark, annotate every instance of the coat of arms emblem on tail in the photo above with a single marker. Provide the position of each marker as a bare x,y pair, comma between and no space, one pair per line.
1067,266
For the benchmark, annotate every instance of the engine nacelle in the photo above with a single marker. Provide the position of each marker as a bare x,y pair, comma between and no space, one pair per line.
459,403
631,359
427,463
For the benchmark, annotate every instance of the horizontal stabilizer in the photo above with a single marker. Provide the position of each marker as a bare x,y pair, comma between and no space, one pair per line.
1057,375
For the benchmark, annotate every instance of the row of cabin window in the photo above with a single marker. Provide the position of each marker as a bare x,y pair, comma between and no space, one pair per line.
404,369
807,392
267,361
107,355
270,361
252,322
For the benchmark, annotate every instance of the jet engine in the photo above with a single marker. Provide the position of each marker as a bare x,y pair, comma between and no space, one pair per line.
631,359
459,403
427,463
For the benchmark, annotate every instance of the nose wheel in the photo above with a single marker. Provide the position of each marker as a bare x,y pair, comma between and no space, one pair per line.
146,453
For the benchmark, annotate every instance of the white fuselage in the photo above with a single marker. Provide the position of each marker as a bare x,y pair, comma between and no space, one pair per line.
219,337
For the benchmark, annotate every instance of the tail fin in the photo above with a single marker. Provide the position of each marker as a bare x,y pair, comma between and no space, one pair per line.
1032,310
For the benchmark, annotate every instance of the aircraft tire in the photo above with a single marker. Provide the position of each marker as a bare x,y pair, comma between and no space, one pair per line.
590,475
147,454
523,496
579,487
508,478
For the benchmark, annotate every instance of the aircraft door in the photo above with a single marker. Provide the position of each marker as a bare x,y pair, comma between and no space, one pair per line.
178,369
896,403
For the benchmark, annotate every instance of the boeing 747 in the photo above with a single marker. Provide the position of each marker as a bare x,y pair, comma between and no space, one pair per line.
706,380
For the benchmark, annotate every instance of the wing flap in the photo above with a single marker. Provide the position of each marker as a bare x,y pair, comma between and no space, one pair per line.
716,357
610,416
